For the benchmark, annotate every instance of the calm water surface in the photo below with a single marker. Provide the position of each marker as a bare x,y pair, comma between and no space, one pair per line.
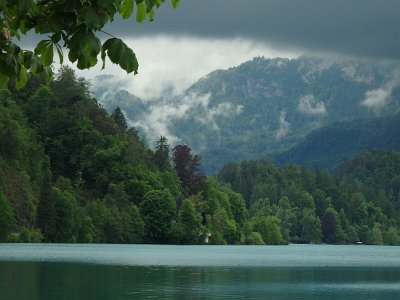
40,271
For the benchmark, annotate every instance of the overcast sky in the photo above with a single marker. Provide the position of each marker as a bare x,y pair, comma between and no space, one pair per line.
203,35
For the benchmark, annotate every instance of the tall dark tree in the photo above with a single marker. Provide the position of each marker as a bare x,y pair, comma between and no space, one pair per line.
161,154
187,167
119,118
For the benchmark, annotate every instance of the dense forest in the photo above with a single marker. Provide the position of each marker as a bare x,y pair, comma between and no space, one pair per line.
71,172
320,149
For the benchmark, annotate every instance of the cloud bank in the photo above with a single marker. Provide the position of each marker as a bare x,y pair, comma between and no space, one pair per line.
284,126
378,98
308,105
169,65
159,118
360,28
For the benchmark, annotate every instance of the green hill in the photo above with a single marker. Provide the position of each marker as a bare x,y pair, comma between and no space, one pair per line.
71,172
333,145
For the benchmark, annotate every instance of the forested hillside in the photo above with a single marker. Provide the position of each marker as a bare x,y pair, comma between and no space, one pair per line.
71,172
333,145
360,203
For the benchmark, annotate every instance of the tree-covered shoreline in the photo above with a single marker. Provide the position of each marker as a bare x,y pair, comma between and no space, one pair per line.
69,172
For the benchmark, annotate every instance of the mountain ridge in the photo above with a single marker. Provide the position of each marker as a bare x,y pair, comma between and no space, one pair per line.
266,106
321,148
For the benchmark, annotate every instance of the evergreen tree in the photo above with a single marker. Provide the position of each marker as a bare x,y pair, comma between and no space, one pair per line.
161,154
119,118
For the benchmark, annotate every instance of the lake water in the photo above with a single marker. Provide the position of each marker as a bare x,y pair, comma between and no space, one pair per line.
113,272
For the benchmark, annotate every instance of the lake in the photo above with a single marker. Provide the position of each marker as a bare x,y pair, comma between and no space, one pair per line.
87,271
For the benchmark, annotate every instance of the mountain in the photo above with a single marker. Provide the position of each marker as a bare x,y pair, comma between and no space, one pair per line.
266,106
333,145
110,94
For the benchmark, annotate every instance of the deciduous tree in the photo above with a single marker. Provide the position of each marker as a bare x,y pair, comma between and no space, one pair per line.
158,212
187,166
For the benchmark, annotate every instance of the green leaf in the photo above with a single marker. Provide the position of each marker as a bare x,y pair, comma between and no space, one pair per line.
22,26
119,53
8,65
158,3
13,48
151,15
90,17
22,78
126,8
56,37
3,4
49,73
109,6
3,81
26,58
175,3
26,6
36,65
45,49
84,47
141,12
47,56
60,54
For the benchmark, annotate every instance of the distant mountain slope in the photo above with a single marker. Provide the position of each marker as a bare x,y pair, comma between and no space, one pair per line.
269,105
331,146
264,106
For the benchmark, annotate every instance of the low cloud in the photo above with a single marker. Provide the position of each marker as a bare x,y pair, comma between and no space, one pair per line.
284,126
211,115
181,62
308,105
226,110
161,114
378,98
157,120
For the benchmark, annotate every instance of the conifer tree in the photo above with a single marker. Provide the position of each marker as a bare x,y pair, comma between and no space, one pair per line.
161,154
119,118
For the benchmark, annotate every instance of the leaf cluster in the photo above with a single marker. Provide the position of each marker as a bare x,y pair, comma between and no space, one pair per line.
71,24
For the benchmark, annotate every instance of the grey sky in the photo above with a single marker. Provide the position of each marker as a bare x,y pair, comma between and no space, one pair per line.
366,28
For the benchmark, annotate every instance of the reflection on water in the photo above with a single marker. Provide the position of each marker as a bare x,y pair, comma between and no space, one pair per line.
39,279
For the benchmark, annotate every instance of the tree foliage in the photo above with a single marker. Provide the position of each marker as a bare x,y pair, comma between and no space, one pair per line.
74,25
187,167
72,175
119,118
6,218
317,206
